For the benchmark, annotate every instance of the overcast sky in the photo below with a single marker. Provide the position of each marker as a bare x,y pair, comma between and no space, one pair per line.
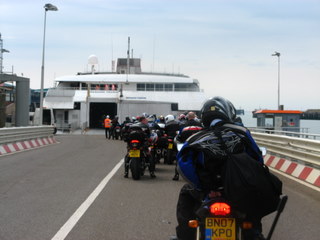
225,44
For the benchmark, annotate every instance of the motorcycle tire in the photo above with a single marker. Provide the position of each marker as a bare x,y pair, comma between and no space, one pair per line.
165,154
135,167
169,157
157,158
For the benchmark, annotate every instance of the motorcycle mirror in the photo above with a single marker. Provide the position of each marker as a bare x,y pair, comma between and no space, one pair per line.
263,151
179,146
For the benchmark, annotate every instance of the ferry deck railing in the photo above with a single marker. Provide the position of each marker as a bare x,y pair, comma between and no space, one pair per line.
68,90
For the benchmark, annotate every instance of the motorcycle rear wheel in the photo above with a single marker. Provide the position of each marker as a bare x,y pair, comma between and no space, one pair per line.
135,167
170,157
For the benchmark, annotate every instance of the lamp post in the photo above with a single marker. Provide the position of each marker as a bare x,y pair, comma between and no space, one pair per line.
2,50
47,7
278,55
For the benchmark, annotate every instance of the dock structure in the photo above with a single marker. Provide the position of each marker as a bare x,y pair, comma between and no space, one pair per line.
284,120
311,114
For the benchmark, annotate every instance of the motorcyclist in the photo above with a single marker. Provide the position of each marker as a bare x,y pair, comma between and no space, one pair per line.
161,119
182,119
153,125
192,120
172,126
171,129
114,123
205,173
183,135
161,123
127,120
143,125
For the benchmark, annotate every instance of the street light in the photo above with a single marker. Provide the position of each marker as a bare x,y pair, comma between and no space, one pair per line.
2,50
278,55
47,7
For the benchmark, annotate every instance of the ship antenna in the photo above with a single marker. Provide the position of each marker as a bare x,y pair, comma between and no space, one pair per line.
112,61
128,59
154,49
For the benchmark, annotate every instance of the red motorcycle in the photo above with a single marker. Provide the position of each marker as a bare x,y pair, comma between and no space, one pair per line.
218,220
138,157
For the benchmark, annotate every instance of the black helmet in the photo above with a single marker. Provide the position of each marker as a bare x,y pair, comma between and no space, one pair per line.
217,107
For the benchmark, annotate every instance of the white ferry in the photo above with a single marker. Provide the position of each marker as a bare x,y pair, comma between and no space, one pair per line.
84,99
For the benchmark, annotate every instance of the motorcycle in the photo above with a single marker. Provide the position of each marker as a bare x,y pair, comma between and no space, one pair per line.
171,151
138,157
156,151
218,220
159,145
117,132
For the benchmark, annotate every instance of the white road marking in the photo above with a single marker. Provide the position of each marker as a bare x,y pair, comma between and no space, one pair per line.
72,221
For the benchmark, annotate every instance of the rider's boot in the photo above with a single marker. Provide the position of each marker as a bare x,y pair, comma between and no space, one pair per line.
152,175
176,177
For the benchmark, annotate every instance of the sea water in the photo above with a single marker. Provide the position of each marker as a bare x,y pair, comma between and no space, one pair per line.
312,126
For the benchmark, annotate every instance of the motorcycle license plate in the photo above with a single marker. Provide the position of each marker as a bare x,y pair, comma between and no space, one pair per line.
220,229
170,146
134,153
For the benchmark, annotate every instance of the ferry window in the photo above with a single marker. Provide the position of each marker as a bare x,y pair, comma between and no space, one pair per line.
159,87
174,106
74,85
168,87
180,87
141,87
195,87
114,87
76,105
150,86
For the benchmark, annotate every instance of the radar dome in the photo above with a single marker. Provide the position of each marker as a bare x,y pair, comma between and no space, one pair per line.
92,60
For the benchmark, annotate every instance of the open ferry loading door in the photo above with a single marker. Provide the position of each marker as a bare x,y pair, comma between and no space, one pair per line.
98,111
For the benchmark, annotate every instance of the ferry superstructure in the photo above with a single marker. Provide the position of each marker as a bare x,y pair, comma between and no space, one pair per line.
84,99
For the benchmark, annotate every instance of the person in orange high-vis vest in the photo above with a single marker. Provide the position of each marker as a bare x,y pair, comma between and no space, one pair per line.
107,126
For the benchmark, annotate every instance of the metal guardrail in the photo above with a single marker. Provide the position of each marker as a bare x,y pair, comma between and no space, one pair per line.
67,127
301,149
16,134
297,133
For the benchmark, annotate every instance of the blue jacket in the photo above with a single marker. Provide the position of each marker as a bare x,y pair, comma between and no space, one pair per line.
207,144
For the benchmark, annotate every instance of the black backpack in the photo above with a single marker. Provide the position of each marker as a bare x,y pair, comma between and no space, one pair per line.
249,185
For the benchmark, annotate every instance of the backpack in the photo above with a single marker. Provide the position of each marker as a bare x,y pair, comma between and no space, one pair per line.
202,158
229,150
249,186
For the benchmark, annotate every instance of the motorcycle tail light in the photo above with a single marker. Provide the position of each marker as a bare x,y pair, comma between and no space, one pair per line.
220,208
193,223
247,225
135,143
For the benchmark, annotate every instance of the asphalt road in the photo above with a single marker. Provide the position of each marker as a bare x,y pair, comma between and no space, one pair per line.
69,191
